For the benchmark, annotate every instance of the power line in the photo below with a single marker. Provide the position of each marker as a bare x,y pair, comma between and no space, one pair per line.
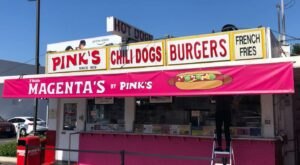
18,66
290,4
296,39
290,36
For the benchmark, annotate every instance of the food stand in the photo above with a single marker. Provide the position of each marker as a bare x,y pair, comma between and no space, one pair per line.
154,97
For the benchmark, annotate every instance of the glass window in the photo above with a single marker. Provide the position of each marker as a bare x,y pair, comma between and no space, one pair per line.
11,120
70,115
106,116
161,113
167,118
32,119
20,120
196,116
246,116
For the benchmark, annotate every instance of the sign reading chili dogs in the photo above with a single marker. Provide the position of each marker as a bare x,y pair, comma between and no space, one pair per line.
212,81
136,55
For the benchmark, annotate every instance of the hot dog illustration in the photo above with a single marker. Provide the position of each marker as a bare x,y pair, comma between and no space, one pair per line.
200,80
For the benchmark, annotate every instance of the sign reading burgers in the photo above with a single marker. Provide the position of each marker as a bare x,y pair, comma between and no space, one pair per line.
200,80
198,49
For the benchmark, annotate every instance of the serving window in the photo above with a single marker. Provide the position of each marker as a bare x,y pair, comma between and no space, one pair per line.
105,114
246,116
196,116
167,118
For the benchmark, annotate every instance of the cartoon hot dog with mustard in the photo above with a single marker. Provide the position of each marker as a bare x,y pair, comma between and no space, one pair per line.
200,80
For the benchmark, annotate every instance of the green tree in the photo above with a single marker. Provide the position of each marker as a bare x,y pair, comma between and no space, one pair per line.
296,50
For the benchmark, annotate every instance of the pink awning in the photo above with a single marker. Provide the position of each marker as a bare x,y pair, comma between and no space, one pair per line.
244,79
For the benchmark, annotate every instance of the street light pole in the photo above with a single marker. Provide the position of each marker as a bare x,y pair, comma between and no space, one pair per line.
37,60
279,21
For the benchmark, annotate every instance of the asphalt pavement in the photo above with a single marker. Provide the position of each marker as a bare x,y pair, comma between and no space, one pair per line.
4,140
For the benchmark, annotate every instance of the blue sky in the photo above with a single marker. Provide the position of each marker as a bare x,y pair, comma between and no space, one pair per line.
63,20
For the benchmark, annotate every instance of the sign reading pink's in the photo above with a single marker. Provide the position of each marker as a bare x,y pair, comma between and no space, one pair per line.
244,79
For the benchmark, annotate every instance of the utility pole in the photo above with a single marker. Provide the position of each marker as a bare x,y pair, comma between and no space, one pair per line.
279,21
285,47
283,22
37,60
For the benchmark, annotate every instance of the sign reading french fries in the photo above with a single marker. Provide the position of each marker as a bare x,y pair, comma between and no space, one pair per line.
248,45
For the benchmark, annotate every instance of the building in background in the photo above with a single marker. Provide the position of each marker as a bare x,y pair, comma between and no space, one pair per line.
19,106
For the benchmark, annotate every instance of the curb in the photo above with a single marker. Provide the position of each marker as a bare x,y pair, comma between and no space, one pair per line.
8,159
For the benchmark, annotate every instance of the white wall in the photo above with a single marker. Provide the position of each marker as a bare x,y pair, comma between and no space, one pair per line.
267,116
63,136
284,126
53,110
129,113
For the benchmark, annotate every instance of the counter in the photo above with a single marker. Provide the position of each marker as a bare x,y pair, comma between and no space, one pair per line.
149,149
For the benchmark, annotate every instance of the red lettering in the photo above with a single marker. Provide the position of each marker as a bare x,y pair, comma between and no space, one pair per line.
222,42
112,57
131,56
152,54
158,53
188,50
96,57
145,55
138,55
71,59
55,62
81,59
63,63
197,52
118,56
127,61
204,48
172,52
213,48
123,55
180,53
